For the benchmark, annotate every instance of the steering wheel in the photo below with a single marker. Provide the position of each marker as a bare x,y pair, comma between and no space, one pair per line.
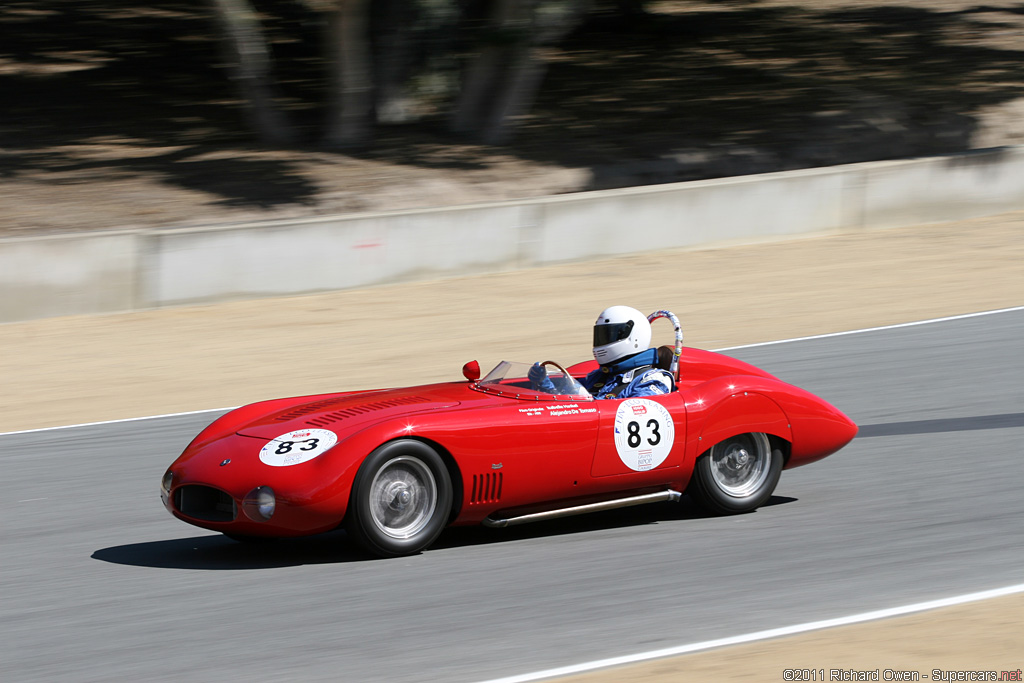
551,362
569,378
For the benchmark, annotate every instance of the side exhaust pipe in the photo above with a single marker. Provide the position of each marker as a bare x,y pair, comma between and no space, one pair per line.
658,497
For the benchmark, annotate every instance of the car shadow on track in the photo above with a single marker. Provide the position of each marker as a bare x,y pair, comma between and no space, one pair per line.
217,552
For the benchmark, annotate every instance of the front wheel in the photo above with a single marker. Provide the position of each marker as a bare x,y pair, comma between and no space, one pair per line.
738,474
400,500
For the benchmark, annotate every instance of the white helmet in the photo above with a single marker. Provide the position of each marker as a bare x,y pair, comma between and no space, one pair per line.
620,331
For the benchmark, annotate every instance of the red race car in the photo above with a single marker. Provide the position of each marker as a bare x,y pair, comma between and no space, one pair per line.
396,466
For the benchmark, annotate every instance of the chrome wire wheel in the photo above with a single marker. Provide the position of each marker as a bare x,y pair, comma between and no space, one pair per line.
742,464
403,497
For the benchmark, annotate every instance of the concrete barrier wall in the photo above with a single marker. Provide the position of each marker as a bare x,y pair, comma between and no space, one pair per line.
326,254
68,275
595,224
902,193
130,270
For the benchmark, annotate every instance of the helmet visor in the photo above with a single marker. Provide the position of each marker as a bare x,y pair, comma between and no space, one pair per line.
606,334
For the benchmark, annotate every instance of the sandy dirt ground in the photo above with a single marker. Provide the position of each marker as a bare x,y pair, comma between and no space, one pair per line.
982,636
78,369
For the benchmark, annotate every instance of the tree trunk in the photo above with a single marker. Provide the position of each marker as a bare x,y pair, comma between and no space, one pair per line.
351,83
519,88
488,70
504,79
250,62
391,39
476,91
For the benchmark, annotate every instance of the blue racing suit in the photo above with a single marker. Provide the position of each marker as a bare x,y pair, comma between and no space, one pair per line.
634,376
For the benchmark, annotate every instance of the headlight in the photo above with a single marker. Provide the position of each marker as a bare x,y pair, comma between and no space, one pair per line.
165,483
259,504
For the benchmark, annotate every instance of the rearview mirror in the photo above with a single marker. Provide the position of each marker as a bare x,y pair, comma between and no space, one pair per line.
471,371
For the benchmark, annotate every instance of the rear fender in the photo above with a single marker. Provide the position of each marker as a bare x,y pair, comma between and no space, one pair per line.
741,413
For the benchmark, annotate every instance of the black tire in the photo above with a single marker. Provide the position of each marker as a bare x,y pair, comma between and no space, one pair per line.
737,475
400,499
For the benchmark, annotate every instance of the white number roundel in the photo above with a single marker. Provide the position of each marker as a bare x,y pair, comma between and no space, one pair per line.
644,433
297,447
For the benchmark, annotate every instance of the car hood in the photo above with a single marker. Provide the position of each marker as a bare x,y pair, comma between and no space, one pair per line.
349,412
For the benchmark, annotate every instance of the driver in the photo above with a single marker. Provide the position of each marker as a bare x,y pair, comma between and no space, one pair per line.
622,336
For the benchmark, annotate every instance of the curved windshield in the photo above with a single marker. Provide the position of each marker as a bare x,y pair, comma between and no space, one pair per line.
511,379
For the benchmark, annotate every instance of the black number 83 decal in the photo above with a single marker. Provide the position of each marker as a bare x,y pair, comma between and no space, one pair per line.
635,438
286,446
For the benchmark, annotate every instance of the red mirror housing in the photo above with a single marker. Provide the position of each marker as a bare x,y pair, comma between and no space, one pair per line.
471,371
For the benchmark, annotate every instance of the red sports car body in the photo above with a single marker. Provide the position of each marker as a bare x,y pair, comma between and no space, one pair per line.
396,466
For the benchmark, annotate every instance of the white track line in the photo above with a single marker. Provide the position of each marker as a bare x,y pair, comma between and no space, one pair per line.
876,329
728,348
127,419
761,635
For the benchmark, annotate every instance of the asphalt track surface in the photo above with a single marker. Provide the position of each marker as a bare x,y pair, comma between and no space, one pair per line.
98,582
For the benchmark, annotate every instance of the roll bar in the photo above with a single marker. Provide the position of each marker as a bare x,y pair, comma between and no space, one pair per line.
678,350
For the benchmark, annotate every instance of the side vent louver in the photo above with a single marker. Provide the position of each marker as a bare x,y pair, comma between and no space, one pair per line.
339,415
310,408
486,488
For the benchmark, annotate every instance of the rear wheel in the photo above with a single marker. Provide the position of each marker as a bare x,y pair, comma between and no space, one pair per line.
738,474
400,500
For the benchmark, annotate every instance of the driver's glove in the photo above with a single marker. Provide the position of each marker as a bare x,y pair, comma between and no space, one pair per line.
539,379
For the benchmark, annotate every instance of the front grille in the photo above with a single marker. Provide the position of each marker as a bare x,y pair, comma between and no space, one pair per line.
486,488
339,415
205,503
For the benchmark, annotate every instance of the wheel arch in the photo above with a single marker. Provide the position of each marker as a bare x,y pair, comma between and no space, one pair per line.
783,445
742,413
454,472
